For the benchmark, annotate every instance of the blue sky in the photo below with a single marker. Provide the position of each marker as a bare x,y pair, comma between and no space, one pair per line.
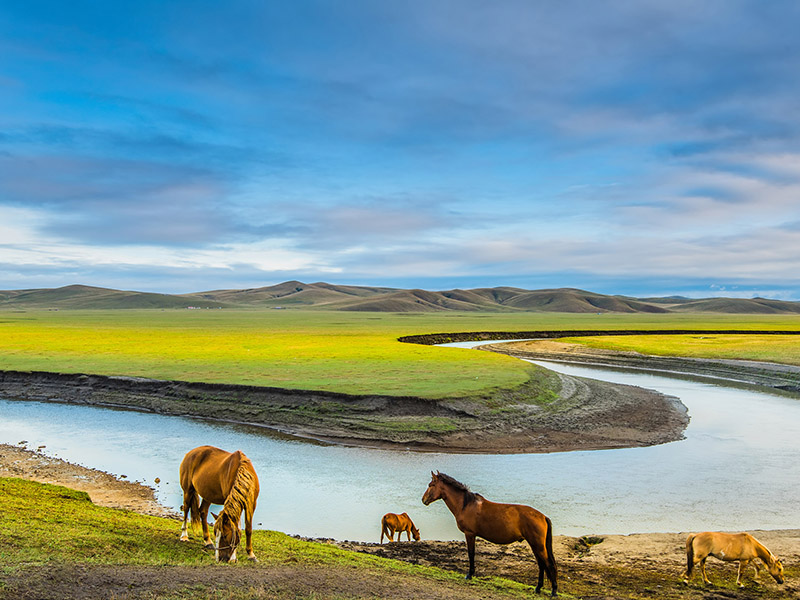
640,148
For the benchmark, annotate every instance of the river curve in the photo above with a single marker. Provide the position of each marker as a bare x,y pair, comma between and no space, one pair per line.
738,468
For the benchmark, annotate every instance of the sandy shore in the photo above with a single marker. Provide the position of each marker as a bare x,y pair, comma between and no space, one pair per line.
103,488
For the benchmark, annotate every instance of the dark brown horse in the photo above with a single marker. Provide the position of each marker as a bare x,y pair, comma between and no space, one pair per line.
498,523
391,523
219,477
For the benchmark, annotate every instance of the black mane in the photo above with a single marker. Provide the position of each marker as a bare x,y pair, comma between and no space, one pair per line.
469,496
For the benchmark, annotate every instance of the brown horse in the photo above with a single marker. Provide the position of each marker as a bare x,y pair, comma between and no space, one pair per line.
729,547
498,523
219,477
391,523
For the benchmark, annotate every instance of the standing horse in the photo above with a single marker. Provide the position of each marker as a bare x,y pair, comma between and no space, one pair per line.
391,523
729,547
219,477
498,523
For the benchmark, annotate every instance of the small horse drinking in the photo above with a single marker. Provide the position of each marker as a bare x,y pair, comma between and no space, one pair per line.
391,523
729,547
219,477
498,523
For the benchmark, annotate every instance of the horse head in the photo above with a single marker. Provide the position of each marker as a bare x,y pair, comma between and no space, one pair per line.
434,491
226,534
415,533
776,570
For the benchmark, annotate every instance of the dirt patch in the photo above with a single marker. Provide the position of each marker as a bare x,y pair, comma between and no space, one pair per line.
257,581
604,566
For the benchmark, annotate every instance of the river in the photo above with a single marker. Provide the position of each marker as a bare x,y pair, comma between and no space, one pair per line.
738,468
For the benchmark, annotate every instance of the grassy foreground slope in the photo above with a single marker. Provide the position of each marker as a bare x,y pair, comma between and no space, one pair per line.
58,544
335,351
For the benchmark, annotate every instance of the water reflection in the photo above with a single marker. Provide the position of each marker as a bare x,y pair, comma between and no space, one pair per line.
739,467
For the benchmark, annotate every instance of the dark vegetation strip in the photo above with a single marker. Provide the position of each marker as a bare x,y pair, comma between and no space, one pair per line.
431,339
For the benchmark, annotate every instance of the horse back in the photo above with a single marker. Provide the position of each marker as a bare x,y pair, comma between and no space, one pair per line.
211,472
502,523
722,545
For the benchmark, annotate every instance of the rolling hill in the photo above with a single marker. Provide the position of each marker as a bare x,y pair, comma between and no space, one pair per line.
296,294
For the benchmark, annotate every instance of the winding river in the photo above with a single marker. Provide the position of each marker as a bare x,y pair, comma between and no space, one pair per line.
738,468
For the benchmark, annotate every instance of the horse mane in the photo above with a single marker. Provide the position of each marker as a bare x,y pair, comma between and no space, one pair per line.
241,497
469,495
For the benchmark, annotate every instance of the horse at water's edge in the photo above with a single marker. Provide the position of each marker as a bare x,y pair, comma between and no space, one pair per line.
729,547
495,522
219,477
392,523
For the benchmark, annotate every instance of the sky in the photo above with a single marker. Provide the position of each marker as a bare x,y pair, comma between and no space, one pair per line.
625,147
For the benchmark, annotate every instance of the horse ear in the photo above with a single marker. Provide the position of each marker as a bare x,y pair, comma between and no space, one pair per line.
215,516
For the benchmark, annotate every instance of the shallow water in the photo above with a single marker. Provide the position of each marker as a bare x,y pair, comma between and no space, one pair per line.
739,467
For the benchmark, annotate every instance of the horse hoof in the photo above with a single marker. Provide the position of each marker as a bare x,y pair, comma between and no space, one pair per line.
208,546
252,559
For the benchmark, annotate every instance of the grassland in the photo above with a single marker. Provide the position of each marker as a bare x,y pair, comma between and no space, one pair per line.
62,552
338,351
75,549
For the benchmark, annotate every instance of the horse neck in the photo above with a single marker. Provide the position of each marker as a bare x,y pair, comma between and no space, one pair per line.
239,498
762,553
454,499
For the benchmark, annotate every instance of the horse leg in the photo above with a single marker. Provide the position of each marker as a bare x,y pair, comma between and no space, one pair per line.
703,571
204,506
471,553
540,581
742,565
186,506
248,534
547,564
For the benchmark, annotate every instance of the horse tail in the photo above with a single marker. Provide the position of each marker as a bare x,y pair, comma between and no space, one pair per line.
689,555
548,542
192,498
383,527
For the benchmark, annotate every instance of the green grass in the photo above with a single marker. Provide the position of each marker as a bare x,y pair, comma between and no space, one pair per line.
336,351
772,348
44,525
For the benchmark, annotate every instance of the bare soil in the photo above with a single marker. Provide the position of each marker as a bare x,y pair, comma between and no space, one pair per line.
593,567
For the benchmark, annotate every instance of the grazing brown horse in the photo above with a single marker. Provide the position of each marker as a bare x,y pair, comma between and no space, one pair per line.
498,523
219,477
729,547
391,523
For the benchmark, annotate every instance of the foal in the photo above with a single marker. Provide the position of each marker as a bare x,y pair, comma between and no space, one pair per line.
392,523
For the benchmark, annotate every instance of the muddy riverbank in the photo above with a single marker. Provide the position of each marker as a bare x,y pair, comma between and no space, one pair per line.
550,413
763,375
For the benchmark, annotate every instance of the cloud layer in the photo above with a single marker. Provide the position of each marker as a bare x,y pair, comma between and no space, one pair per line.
637,148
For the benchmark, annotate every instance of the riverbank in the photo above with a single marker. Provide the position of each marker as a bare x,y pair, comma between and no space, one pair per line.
103,488
594,566
763,375
549,413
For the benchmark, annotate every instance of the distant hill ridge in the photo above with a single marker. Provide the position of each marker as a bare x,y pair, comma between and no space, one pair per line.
296,294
